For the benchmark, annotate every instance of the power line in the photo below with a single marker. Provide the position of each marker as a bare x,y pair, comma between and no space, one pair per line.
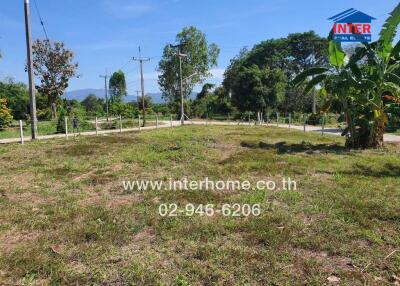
127,63
40,19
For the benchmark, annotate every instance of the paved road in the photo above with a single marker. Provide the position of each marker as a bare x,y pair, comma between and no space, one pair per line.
168,124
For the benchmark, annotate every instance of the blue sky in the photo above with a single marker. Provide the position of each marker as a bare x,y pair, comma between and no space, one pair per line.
106,33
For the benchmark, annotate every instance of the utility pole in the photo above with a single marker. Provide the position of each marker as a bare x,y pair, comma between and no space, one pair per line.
30,71
137,99
141,60
180,55
106,92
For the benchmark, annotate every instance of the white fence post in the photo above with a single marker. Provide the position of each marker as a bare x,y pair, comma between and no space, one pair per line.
120,124
97,127
277,119
66,126
290,120
140,126
304,119
323,124
156,120
21,131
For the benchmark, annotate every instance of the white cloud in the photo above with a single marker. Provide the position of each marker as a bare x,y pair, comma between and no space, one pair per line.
218,74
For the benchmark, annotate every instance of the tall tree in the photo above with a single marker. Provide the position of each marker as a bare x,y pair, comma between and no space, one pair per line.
257,89
201,57
117,86
53,64
290,55
305,50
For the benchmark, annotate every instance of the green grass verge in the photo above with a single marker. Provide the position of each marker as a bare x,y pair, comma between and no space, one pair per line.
66,220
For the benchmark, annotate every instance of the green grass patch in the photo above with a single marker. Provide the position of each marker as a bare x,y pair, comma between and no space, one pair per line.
65,218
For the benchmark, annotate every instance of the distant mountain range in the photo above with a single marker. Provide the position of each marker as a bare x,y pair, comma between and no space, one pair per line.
81,94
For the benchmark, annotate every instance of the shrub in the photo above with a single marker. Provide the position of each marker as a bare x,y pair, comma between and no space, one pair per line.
61,121
5,114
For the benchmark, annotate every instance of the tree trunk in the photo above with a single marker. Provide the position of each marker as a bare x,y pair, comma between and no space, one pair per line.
53,111
378,130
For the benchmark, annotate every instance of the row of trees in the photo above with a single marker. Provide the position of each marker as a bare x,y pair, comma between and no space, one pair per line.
256,80
302,72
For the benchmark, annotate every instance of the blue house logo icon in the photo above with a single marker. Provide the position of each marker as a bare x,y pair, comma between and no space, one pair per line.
352,26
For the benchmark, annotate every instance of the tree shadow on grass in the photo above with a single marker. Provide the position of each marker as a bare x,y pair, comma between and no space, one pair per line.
388,170
303,147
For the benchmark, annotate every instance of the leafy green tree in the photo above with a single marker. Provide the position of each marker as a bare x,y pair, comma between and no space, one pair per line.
17,97
118,108
148,102
256,88
61,121
201,57
305,50
93,105
53,65
117,86
162,108
205,90
5,114
290,55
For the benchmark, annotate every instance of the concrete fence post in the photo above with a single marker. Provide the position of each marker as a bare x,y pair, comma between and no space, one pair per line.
140,126
277,119
323,125
21,131
97,127
66,126
290,120
249,119
206,119
267,118
120,124
304,122
156,120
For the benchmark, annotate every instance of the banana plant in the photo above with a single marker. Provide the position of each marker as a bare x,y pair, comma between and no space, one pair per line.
337,80
364,89
379,77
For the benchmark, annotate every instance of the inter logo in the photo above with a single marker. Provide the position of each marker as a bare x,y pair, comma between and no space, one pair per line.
352,26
